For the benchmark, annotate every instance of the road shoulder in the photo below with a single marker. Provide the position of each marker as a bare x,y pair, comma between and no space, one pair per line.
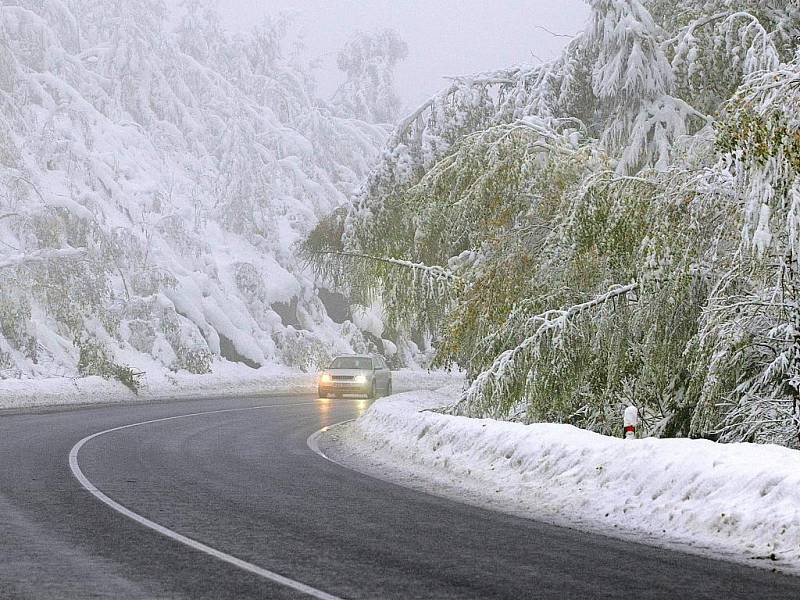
735,502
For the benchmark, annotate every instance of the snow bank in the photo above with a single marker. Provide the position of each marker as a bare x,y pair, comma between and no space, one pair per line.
735,501
233,381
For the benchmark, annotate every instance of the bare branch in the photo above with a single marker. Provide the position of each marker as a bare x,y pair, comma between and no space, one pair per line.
561,35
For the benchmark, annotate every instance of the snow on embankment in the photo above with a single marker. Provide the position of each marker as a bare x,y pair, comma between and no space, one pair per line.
237,381
735,501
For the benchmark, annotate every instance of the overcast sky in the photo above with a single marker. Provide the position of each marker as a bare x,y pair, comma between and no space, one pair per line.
445,37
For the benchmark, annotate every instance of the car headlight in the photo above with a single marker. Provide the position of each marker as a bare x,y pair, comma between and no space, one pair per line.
360,379
326,378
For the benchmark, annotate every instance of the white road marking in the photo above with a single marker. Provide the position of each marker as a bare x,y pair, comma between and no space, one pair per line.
313,442
187,541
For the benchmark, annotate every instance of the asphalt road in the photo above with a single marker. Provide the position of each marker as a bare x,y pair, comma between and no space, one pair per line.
245,483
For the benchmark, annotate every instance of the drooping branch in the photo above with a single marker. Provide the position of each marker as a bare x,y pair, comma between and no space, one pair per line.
509,366
418,295
435,272
504,79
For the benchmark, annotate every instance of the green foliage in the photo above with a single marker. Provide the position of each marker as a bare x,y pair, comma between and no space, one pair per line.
191,352
575,290
93,359
15,314
714,40
756,137
748,349
193,360
303,350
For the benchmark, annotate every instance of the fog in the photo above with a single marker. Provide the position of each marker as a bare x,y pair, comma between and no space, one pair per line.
445,37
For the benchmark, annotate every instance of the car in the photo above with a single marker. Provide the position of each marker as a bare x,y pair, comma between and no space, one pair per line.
356,374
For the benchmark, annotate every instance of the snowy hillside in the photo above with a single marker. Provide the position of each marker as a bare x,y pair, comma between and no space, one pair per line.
152,184
619,226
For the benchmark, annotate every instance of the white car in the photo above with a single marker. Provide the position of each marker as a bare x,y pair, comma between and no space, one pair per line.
356,374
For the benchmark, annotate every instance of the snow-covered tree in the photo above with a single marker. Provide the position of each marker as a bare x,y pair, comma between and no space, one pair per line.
151,185
608,224
368,62
633,83
752,325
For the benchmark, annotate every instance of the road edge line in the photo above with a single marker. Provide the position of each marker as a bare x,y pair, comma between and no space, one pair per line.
313,443
173,535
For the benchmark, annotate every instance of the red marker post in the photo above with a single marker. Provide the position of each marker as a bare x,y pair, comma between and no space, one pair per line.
630,419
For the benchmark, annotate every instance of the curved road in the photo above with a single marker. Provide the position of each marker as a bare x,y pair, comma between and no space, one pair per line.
245,484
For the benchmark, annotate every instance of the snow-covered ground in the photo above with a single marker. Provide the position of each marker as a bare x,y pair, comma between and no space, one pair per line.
234,380
739,502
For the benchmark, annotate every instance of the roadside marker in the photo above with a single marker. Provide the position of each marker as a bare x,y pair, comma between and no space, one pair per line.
630,419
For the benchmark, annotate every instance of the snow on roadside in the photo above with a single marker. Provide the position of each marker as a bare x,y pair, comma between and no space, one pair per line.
232,381
735,501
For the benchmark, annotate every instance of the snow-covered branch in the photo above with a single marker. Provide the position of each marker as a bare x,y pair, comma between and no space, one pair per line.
512,365
433,272
41,256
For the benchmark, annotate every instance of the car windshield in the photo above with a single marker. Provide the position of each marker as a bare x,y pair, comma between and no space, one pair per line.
351,362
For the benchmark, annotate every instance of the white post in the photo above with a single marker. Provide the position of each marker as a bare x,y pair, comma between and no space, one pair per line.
630,420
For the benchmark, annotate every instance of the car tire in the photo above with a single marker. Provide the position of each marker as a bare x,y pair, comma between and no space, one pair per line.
373,393
389,388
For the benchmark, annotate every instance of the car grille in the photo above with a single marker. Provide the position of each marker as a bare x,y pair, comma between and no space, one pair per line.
343,378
